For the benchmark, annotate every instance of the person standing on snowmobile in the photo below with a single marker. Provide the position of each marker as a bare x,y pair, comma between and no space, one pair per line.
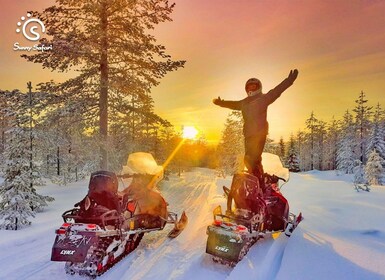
254,112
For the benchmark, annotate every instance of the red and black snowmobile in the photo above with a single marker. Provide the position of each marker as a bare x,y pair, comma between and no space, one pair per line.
259,210
104,227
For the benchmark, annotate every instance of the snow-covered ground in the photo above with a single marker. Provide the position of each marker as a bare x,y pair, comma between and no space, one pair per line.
341,237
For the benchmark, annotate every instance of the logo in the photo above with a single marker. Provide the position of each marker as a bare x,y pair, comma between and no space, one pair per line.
222,249
67,252
31,28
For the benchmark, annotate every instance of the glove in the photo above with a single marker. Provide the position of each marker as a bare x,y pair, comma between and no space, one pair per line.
293,75
218,100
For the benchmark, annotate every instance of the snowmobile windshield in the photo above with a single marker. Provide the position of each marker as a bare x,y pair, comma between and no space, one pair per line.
272,165
103,181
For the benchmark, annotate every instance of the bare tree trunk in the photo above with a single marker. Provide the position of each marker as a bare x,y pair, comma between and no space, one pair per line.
103,99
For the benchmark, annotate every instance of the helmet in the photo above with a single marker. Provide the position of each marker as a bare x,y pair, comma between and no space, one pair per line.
254,81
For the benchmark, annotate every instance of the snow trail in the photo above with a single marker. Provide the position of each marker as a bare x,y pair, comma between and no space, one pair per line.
162,258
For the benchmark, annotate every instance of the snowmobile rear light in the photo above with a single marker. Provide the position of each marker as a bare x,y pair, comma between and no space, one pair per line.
65,225
241,228
91,226
217,223
131,206
60,231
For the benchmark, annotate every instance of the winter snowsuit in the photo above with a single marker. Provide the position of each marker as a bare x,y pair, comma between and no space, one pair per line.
255,128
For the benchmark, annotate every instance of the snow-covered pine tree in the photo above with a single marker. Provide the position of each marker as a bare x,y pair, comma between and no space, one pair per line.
359,181
300,141
376,139
320,144
18,198
17,201
312,125
374,168
362,125
331,142
281,149
231,148
346,157
292,160
109,44
270,146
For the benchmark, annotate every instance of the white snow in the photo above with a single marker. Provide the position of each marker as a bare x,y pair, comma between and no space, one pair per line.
342,235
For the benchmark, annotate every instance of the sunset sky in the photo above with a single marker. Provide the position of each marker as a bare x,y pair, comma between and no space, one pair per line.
337,46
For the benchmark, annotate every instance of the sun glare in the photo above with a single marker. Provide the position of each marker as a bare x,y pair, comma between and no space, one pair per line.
189,132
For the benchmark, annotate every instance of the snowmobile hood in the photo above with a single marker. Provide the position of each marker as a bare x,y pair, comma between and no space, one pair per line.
272,165
145,164
142,163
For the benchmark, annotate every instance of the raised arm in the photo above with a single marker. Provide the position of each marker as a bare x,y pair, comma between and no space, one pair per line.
276,92
233,105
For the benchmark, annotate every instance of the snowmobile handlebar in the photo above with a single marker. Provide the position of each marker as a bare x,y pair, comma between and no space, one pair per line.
274,178
280,178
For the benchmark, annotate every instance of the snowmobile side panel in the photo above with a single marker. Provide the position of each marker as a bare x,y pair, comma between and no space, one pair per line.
73,247
224,243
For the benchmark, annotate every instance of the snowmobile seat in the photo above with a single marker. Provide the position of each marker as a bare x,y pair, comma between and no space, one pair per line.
103,189
246,192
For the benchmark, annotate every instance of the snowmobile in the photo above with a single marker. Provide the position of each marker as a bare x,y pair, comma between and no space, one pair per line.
106,226
259,211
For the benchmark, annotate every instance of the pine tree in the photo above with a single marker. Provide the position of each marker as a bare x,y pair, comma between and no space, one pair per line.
331,144
270,146
231,148
18,198
376,139
106,42
359,181
320,144
300,148
292,160
362,124
17,201
281,148
311,124
346,157
374,168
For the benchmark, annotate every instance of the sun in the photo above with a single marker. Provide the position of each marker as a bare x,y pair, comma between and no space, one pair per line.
189,132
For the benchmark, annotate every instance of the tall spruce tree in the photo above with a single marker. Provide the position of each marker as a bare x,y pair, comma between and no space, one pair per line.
281,149
376,139
18,198
300,137
374,168
292,160
331,144
108,43
362,124
346,158
321,136
312,125
231,148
